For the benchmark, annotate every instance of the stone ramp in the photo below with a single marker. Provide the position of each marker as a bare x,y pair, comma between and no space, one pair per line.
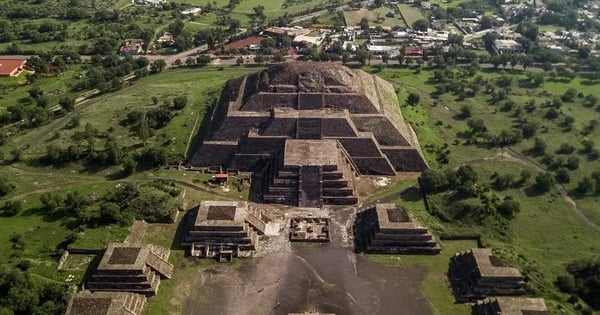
310,187
253,218
158,260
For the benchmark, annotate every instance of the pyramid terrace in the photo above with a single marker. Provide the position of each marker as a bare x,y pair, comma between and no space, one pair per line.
106,303
222,229
131,268
511,306
389,229
305,129
477,273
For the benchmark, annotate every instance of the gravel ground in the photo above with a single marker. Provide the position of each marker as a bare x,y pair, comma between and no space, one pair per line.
302,277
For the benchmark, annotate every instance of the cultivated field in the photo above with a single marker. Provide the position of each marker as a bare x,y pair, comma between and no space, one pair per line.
353,17
410,13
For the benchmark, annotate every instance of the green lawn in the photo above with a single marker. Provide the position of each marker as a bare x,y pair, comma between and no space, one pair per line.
353,17
410,13
546,234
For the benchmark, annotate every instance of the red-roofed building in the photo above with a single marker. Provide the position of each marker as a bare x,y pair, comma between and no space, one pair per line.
11,67
414,52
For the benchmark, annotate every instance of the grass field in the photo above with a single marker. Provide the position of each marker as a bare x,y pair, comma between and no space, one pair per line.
13,90
43,231
107,111
410,13
546,234
353,17
244,10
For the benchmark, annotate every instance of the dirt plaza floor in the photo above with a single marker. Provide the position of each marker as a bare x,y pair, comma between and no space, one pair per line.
309,277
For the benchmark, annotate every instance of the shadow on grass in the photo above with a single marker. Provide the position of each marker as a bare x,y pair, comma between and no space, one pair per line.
411,194
533,192
45,214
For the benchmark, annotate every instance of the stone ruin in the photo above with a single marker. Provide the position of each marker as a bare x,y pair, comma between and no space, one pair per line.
222,229
305,129
388,229
309,229
106,303
511,306
136,268
477,273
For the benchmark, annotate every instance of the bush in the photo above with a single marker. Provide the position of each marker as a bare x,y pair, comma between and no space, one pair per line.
544,182
6,186
12,208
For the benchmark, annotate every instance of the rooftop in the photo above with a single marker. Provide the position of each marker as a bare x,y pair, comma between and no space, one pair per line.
8,66
310,152
506,44
124,256
522,306
390,216
106,303
491,266
221,213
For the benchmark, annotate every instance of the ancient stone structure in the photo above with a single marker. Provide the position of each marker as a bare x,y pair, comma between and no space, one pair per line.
511,306
106,303
477,273
222,229
129,267
387,229
305,129
309,229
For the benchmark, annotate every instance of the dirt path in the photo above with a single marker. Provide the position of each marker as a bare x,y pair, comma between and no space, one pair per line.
138,230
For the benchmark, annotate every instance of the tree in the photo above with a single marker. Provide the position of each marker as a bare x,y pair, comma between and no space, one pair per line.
6,186
434,180
585,185
465,174
203,60
544,182
179,102
12,207
259,11
364,23
413,98
157,66
129,165
67,103
465,111
259,59
421,25
573,163
562,175
143,130
279,58
509,207
363,55
37,64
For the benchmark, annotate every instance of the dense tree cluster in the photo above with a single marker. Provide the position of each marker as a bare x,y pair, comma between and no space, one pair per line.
153,202
105,72
20,294
583,279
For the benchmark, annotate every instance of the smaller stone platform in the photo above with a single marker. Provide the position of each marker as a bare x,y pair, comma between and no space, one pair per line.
134,268
309,230
477,273
511,306
222,229
106,303
388,229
